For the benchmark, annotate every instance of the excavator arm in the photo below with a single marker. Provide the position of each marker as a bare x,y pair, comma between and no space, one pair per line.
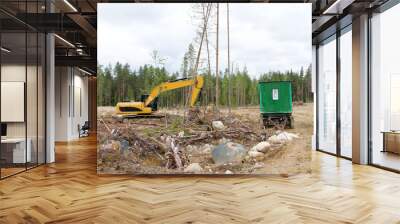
196,83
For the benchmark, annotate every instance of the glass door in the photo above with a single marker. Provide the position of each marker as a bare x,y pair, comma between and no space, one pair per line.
327,95
14,155
22,77
385,89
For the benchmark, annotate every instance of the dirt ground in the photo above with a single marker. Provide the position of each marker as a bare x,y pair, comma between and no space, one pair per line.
141,145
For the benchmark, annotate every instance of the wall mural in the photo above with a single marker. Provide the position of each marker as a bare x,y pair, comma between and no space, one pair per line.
204,88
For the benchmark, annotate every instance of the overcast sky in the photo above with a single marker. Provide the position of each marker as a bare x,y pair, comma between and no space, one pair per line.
263,37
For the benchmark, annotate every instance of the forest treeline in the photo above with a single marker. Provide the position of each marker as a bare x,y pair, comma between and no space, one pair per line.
121,83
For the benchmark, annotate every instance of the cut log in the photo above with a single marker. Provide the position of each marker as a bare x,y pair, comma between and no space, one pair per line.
175,153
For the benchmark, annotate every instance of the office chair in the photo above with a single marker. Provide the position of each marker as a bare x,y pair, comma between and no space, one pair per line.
84,130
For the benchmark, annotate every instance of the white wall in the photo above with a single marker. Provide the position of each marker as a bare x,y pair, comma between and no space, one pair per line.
80,100
62,81
314,90
71,93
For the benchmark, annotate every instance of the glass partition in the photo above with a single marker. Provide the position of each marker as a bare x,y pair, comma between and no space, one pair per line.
35,53
41,85
327,96
22,77
31,97
346,93
385,89
13,92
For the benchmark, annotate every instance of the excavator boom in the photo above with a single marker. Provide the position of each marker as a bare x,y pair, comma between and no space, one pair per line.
196,83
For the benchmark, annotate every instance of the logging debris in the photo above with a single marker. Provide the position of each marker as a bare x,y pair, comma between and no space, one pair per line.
175,144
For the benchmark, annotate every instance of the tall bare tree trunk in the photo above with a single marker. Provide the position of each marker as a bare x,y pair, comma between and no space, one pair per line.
216,63
229,59
202,38
194,72
209,68
208,55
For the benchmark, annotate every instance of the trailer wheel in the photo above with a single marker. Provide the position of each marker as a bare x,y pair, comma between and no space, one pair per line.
266,123
261,122
285,123
279,123
291,122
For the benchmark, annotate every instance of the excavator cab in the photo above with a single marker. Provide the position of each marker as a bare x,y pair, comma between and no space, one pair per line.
143,97
153,104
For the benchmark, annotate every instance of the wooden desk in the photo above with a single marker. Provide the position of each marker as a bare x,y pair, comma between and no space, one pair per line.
13,150
391,141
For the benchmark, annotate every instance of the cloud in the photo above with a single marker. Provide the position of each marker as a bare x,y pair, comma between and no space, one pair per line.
263,37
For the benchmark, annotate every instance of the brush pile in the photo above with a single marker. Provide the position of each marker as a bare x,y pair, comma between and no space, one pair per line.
207,142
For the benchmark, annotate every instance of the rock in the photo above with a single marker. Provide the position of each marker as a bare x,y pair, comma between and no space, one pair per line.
116,145
206,149
293,135
285,136
258,165
193,168
218,125
107,148
203,135
191,148
223,141
162,138
261,147
228,172
124,145
181,134
110,152
256,155
228,153
274,139
168,141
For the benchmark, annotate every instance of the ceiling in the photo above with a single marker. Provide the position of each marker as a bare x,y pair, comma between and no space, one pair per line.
75,22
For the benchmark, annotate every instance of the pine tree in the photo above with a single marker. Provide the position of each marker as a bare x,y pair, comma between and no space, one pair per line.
122,83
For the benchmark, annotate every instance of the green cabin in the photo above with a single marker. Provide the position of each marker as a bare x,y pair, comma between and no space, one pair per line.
276,103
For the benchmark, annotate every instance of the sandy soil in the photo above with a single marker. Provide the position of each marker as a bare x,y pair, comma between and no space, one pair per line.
287,159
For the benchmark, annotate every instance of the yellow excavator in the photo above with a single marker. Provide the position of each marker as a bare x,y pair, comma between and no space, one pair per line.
148,103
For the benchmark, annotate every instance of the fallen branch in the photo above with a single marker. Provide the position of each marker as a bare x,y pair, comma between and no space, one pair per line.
101,120
161,145
174,155
177,158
